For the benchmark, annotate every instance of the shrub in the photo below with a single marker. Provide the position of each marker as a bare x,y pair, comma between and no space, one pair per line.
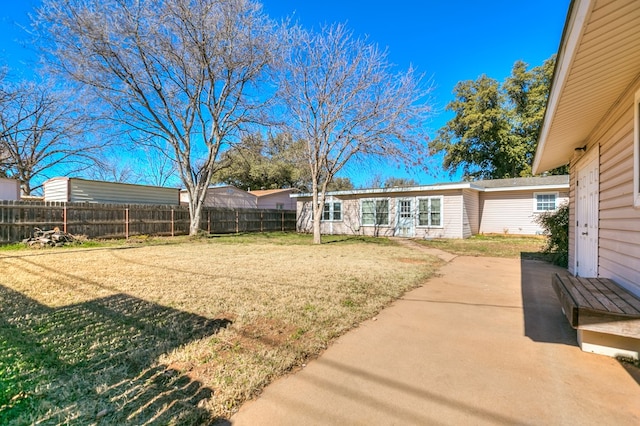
555,225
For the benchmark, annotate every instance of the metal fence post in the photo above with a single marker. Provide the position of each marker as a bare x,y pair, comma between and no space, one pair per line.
172,222
126,223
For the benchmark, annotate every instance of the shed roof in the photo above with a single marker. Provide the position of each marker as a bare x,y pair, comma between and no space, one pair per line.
598,60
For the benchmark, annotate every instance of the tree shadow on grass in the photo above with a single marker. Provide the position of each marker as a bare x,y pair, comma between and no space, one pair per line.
95,362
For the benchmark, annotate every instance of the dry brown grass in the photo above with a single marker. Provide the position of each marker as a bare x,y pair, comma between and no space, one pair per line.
180,333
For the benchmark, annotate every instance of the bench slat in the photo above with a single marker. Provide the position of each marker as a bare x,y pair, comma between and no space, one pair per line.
574,287
600,298
623,298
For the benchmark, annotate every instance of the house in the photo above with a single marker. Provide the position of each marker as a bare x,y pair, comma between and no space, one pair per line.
225,196
75,190
277,199
592,123
9,189
448,210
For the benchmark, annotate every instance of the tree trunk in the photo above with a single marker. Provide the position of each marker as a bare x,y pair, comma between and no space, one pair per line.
196,202
317,237
317,208
194,224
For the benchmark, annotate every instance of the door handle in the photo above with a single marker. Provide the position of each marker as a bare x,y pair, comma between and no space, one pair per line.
585,233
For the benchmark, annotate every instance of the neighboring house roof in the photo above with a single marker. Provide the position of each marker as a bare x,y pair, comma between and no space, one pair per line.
597,61
512,184
265,192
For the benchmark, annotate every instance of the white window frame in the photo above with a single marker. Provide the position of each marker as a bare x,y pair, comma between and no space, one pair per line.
375,213
535,201
429,225
332,211
636,151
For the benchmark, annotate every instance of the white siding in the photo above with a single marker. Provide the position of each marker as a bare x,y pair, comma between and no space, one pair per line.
452,217
572,221
619,234
511,212
9,189
471,218
56,189
304,216
90,191
350,224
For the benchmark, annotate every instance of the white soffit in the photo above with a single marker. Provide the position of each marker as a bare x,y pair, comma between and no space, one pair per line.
599,59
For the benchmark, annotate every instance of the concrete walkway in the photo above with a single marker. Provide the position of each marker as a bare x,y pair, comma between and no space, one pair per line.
483,343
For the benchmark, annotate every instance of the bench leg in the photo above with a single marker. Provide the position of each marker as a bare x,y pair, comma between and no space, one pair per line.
608,344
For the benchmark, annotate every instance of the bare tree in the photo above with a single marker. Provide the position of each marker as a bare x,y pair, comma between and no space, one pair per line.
110,167
44,128
344,99
188,73
161,168
137,164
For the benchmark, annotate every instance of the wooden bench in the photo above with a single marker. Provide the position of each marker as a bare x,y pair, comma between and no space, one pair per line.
600,309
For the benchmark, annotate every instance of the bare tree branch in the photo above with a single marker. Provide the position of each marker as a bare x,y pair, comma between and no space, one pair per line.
343,97
44,128
183,72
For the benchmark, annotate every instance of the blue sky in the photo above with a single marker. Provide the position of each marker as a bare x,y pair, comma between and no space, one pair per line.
449,41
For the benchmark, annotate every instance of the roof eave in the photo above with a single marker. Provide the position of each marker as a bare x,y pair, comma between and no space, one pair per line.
546,157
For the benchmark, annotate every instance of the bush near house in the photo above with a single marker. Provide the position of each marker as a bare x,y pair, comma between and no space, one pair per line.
555,226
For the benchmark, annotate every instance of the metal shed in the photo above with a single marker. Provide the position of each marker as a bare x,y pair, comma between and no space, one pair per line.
76,190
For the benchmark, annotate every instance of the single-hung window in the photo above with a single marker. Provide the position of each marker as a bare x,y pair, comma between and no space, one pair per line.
545,201
332,211
337,211
375,212
430,211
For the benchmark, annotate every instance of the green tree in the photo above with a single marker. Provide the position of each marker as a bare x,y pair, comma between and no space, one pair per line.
399,182
272,163
340,184
495,128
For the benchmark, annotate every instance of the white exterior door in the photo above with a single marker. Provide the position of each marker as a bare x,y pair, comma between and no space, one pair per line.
587,190
405,226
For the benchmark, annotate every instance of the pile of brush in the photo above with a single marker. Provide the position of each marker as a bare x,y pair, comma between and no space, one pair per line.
52,238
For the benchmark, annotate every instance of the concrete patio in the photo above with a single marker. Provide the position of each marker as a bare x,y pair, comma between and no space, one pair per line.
485,342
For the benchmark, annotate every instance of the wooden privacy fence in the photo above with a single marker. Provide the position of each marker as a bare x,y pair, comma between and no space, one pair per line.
18,218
